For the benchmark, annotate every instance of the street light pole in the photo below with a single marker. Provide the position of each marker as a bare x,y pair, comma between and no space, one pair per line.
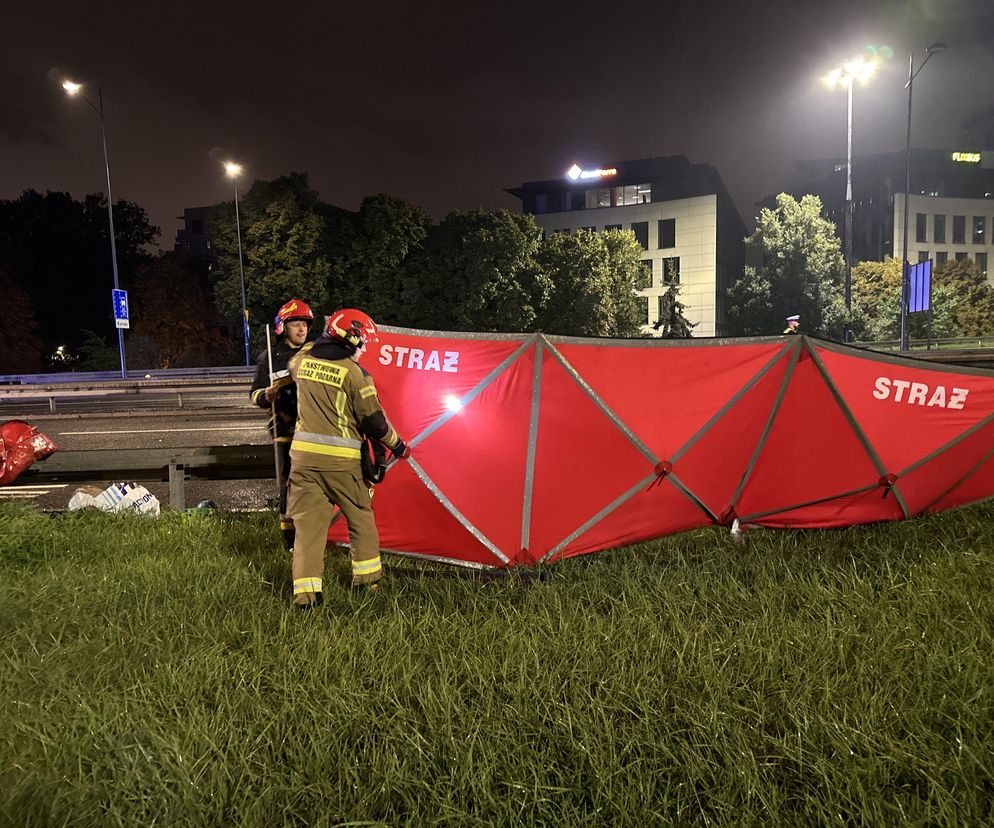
73,89
862,70
846,327
905,266
234,170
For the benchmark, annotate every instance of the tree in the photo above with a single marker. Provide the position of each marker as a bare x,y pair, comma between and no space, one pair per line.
476,271
20,345
284,248
57,250
593,278
803,272
372,249
173,317
95,354
973,311
876,296
672,324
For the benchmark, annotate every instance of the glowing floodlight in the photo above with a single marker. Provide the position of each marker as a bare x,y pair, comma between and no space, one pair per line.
70,87
453,403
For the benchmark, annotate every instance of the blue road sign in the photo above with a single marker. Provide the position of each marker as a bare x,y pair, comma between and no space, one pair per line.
920,287
121,319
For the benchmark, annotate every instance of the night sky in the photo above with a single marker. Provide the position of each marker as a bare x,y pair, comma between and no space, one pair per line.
446,104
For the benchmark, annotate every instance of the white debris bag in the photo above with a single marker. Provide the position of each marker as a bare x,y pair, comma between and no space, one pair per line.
118,497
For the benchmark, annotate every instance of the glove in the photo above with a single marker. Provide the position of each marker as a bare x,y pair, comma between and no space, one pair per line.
401,451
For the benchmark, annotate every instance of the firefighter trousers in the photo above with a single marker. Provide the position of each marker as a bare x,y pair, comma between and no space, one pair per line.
312,497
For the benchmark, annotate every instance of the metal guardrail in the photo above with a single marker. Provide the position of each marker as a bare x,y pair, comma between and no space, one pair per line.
95,395
963,342
220,372
244,462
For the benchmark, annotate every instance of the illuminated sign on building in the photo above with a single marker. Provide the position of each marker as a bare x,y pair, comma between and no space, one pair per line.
969,157
575,173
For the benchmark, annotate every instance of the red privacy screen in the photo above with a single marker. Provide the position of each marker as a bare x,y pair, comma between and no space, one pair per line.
531,448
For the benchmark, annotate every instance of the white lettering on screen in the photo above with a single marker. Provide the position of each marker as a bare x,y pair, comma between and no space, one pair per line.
918,393
414,358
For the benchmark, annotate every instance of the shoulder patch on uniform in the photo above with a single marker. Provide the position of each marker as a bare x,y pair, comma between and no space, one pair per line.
367,392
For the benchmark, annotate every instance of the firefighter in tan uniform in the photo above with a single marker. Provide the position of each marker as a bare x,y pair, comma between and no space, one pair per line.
337,407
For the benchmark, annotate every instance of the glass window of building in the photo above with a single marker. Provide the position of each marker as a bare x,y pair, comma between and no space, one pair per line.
923,255
979,229
961,257
645,275
667,233
540,203
671,271
590,198
921,222
981,259
612,226
604,197
645,193
591,229
939,229
641,231
959,229
941,257
645,310
577,200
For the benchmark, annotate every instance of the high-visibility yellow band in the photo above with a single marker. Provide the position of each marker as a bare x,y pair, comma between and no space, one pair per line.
368,391
286,523
366,567
306,585
317,448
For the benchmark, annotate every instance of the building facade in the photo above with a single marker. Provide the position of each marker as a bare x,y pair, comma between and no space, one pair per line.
950,206
680,213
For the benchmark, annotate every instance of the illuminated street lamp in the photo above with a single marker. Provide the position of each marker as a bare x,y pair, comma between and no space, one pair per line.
75,90
860,70
935,48
234,170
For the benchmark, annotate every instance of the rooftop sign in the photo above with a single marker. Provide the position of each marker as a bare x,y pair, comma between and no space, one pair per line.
969,157
575,173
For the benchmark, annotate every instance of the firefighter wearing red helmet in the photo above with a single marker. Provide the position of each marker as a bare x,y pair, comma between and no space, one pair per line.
337,408
291,326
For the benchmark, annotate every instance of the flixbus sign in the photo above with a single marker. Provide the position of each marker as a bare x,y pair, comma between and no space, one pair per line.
967,157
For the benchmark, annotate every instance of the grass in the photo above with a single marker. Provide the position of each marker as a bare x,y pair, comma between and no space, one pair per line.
152,673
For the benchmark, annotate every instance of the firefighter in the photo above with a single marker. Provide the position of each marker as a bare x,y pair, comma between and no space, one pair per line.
337,408
793,323
291,327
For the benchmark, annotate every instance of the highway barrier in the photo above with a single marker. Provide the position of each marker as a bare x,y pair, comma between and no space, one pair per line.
243,462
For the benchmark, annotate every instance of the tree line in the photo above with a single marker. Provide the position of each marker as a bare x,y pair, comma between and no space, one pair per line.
472,271
803,272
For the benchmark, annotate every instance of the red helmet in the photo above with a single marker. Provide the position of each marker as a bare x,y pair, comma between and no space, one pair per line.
353,327
294,309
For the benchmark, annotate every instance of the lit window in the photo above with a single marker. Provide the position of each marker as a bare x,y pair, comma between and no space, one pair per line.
981,260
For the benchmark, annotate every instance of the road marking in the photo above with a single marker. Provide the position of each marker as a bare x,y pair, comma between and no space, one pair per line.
161,430
44,486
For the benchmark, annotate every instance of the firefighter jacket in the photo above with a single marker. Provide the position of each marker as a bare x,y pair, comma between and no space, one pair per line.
336,407
285,404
